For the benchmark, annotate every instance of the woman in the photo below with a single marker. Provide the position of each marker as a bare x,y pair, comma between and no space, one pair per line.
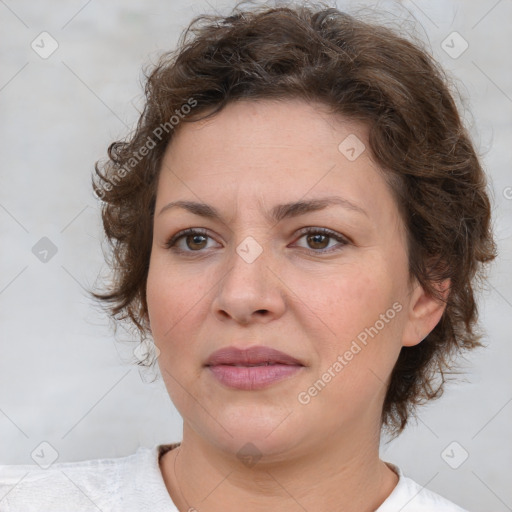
297,223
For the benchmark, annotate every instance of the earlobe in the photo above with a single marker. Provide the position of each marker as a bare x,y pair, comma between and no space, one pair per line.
424,313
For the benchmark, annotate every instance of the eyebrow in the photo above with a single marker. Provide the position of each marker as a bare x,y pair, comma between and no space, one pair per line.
278,213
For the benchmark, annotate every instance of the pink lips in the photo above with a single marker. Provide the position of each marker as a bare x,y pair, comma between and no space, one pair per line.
253,368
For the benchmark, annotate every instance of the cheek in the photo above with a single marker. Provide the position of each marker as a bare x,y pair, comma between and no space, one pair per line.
345,301
355,328
173,300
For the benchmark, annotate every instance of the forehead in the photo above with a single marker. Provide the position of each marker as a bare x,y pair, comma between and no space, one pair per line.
277,127
270,152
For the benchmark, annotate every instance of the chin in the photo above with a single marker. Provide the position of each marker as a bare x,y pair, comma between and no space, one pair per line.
253,431
251,447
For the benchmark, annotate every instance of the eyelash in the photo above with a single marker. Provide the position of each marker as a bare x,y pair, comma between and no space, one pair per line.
170,244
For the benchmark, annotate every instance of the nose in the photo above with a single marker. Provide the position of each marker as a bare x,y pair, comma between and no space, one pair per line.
250,291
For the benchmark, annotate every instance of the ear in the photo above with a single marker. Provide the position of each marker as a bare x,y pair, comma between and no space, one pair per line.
424,312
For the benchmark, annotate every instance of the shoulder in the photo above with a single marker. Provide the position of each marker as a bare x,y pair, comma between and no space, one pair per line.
408,496
71,485
100,484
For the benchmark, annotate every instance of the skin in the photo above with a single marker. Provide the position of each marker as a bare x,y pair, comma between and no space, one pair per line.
307,297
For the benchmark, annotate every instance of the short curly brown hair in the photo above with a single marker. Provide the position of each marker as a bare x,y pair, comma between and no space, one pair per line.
362,71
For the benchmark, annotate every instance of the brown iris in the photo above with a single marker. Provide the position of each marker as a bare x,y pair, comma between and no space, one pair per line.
195,238
315,238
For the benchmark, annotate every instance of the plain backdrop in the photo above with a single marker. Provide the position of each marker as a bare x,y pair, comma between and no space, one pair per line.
65,379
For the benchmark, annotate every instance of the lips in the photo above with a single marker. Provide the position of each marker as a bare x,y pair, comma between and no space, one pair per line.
252,356
252,369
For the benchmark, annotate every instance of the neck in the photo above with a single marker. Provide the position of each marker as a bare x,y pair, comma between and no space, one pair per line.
339,474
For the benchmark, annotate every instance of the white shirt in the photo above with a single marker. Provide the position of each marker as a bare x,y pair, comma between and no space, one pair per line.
135,484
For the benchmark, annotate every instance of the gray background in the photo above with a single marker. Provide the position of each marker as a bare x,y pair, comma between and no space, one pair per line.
65,378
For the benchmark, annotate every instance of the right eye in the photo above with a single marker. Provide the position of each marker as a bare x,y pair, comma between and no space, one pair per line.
194,241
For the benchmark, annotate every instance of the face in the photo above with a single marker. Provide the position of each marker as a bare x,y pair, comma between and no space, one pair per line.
326,285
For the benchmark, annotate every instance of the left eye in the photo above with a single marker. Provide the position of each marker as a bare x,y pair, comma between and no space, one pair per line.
318,239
